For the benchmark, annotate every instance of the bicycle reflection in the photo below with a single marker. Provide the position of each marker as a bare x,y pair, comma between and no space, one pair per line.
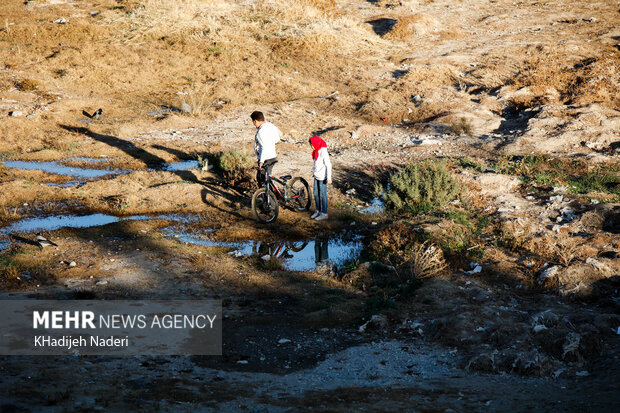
300,255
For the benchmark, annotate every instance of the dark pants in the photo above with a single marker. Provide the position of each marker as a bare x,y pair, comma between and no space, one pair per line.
320,195
266,169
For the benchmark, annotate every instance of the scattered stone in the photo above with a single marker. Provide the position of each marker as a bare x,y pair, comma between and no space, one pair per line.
476,268
284,341
242,362
351,192
101,282
16,113
583,373
186,108
60,20
266,257
548,273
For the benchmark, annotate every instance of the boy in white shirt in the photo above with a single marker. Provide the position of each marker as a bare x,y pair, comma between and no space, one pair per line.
322,171
267,135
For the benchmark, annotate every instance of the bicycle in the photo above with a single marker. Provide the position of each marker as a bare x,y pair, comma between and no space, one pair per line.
296,194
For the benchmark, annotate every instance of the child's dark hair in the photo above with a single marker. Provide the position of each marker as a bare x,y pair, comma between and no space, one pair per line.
256,115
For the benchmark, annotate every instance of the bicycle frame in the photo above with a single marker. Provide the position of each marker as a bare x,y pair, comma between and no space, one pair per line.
270,182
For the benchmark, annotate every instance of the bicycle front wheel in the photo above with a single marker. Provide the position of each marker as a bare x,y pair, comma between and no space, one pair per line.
299,191
265,205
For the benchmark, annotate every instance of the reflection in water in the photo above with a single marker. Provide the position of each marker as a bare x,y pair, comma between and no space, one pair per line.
321,251
296,255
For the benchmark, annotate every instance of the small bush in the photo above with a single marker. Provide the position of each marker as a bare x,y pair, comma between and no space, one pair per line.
462,127
234,165
467,163
390,244
426,261
420,188
27,85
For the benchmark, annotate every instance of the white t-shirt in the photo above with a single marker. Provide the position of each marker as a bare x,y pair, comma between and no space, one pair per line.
265,141
322,168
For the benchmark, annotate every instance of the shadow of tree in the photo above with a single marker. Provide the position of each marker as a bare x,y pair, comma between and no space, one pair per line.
362,178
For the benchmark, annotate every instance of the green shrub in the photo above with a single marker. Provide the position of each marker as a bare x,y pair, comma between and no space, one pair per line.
234,165
420,187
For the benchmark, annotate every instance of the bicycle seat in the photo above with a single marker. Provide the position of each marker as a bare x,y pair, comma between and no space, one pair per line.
286,177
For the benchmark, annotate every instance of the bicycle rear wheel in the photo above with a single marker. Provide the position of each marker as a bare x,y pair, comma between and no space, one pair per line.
299,191
265,205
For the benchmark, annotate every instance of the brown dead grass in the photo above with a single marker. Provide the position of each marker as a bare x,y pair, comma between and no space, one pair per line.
409,26
579,81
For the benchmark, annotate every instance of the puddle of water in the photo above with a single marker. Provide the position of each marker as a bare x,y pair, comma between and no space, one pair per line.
59,169
296,255
83,221
182,166
376,207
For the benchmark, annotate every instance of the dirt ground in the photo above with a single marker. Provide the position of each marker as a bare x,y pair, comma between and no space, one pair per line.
520,99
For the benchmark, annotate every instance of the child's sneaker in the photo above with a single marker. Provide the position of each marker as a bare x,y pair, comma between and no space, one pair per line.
316,214
321,217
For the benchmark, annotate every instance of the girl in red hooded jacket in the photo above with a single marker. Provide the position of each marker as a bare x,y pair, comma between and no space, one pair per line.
322,171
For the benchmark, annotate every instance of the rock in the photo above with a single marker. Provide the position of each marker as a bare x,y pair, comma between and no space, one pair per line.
72,264
186,108
284,341
476,268
16,113
242,362
266,257
101,282
482,362
60,20
570,348
376,322
493,184
351,192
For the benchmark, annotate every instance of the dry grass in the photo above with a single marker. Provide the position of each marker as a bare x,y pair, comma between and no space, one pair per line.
426,260
151,19
514,235
409,26
563,248
424,92
578,81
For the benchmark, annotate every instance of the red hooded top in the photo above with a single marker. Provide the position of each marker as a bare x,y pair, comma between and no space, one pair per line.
317,143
